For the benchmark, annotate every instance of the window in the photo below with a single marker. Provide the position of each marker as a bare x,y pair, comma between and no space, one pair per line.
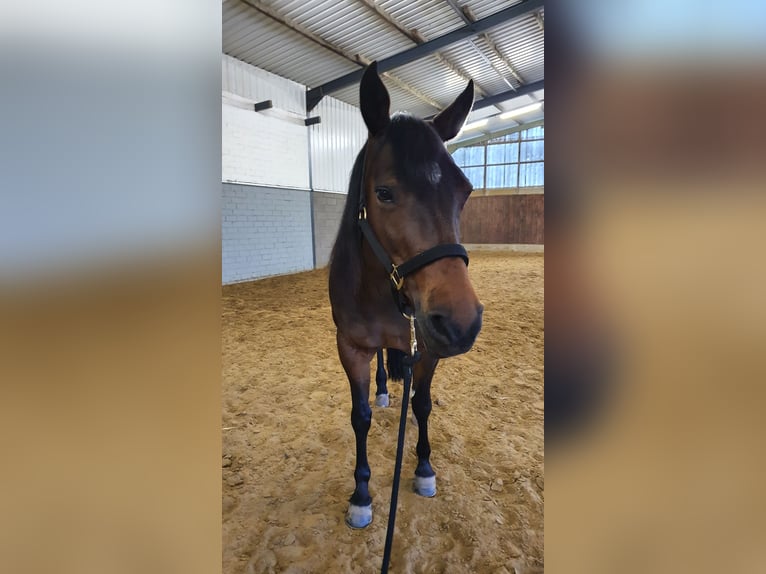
471,160
513,160
536,133
474,156
507,153
532,151
475,175
514,137
500,176
531,174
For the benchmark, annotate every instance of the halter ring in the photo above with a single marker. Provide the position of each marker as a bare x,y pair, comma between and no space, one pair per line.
396,278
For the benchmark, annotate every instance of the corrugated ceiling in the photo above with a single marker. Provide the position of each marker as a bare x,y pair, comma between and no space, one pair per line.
354,29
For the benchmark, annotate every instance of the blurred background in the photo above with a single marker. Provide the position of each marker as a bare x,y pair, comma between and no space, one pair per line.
109,287
655,314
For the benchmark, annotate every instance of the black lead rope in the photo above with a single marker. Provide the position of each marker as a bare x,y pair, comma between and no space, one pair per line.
408,362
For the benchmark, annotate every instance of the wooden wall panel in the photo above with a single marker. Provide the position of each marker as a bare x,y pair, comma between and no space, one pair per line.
504,219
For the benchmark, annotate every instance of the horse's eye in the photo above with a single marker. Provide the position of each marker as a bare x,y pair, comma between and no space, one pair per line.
384,194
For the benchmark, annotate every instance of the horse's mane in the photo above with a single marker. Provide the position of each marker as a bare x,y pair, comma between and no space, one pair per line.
345,256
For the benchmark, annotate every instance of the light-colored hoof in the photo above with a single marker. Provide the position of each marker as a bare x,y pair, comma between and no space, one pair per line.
358,516
381,400
425,486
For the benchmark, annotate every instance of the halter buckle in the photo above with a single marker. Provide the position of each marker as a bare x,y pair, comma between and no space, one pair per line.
396,278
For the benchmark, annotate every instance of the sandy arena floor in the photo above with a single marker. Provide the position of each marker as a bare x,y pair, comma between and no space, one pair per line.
288,445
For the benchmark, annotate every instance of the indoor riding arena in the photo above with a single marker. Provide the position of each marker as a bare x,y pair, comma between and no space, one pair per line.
292,128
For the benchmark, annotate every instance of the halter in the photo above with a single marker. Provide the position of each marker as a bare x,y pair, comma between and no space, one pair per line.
397,273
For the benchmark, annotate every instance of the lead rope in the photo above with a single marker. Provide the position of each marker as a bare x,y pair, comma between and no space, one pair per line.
408,362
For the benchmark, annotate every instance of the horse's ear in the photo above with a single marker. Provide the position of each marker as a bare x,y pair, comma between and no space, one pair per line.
374,100
449,121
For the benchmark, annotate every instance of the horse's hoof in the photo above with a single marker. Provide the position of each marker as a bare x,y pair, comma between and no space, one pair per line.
381,400
358,516
425,486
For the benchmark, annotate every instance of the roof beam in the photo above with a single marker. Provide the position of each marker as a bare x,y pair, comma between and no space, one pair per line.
456,9
469,18
407,88
493,47
482,137
267,10
416,37
504,96
314,95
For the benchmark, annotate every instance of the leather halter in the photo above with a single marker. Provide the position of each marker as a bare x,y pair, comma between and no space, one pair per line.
397,273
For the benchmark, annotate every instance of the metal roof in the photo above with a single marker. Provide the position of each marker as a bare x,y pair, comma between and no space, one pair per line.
314,41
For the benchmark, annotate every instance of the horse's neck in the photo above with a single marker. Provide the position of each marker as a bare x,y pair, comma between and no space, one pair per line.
373,295
374,277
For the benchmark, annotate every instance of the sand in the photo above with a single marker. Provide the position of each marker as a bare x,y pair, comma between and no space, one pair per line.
288,445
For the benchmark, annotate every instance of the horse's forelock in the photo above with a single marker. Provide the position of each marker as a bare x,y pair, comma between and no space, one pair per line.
417,150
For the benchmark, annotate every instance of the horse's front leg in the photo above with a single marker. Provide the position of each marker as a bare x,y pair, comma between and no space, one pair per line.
423,372
356,363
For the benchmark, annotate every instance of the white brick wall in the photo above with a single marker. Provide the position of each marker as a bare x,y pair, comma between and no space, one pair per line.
264,231
261,150
266,206
257,148
249,82
267,151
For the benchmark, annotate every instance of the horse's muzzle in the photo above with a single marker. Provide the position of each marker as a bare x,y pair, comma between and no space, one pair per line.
446,337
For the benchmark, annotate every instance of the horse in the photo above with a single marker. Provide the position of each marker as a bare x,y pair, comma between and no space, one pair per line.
396,259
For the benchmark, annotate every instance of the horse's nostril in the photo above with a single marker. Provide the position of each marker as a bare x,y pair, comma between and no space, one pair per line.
447,332
442,327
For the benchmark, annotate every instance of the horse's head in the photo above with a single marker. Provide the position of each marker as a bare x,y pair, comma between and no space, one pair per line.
414,196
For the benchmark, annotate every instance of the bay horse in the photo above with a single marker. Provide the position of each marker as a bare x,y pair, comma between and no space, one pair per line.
399,235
